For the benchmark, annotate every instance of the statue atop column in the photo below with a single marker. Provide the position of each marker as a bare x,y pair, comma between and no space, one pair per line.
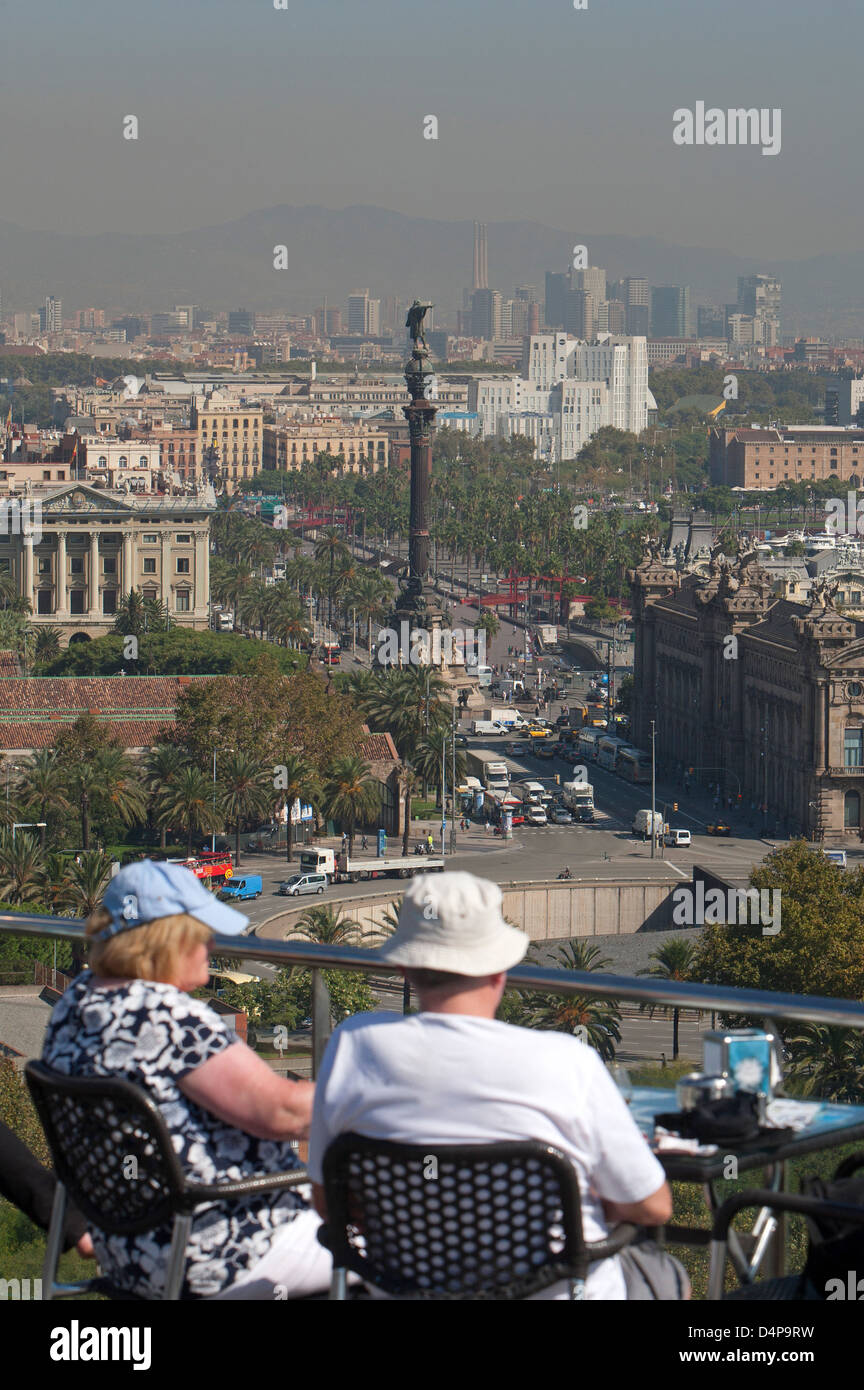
414,324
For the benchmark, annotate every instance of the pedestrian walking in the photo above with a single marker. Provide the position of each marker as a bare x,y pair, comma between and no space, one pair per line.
364,843
430,843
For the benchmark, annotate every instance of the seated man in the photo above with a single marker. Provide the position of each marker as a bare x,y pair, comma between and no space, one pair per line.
453,1074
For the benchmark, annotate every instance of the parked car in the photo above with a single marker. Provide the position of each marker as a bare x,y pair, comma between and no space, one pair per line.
718,828
302,883
560,816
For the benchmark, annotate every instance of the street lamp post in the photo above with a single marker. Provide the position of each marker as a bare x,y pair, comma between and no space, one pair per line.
27,825
453,785
213,839
653,790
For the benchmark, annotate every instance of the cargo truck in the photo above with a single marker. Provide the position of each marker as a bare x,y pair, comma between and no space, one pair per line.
340,868
506,715
642,824
494,775
577,794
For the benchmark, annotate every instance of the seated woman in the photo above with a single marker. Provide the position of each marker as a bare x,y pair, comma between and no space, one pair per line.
230,1116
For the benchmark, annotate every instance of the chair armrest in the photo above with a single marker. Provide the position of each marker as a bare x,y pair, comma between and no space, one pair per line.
849,1166
624,1234
196,1193
779,1201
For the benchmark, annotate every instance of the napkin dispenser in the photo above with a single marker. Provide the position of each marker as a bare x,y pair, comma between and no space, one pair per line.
749,1056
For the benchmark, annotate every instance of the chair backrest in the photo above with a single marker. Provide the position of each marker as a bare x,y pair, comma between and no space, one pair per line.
460,1221
111,1149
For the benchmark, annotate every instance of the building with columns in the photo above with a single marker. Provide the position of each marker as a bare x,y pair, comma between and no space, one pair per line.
88,547
757,694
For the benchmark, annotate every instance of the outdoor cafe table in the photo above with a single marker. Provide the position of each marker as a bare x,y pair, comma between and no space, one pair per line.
831,1125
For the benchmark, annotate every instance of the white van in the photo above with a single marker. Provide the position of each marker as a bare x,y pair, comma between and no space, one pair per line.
679,839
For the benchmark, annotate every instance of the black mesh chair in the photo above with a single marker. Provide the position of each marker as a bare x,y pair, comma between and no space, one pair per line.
787,1288
457,1221
113,1154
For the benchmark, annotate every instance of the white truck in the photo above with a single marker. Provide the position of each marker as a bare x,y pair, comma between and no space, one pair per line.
531,792
494,774
642,824
548,634
577,795
339,868
506,715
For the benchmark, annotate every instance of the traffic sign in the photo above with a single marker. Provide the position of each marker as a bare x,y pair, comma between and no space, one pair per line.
229,873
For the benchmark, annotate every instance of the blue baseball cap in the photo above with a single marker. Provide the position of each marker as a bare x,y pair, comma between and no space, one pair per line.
151,889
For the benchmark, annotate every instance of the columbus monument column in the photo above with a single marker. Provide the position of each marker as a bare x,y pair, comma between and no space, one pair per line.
417,604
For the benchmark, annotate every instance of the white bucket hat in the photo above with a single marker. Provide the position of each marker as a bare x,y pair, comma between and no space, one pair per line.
453,922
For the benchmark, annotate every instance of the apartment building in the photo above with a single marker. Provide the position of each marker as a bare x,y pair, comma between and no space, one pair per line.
765,458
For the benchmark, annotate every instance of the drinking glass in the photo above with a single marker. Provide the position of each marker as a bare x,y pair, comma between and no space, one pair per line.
621,1077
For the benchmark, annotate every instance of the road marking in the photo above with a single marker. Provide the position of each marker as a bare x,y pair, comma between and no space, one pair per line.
670,865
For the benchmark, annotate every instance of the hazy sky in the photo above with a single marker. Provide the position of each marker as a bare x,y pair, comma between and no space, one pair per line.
544,112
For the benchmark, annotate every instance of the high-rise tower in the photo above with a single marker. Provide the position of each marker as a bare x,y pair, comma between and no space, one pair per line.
481,268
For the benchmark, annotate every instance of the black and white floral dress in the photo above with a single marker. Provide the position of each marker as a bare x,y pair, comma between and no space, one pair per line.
153,1035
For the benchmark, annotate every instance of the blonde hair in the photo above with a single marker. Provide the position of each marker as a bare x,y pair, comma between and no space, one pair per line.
150,952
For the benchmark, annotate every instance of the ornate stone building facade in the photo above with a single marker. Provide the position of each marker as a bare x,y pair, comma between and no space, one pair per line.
89,547
759,694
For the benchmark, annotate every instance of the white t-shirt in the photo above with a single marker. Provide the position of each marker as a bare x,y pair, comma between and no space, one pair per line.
450,1078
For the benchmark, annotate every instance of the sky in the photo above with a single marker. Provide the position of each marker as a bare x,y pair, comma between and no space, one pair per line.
544,112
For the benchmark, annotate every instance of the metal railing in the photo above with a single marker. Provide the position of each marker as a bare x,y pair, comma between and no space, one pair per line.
839,1013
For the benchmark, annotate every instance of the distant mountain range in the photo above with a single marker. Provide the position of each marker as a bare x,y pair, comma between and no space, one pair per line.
335,251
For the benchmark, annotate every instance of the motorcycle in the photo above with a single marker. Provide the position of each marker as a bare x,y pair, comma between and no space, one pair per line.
565,873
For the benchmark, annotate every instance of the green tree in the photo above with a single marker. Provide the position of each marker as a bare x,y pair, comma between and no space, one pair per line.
351,795
86,882
21,868
187,802
245,792
42,788
296,780
673,961
826,1062
819,948
596,1021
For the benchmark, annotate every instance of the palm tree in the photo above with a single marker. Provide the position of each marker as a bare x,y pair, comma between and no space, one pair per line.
351,794
674,961
188,801
596,1021
432,760
245,791
330,546
368,597
41,785
107,776
827,1062
297,780
328,927
22,868
47,645
160,767
86,881
121,786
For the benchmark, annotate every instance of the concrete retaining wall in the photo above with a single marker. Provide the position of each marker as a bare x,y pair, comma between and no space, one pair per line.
543,910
